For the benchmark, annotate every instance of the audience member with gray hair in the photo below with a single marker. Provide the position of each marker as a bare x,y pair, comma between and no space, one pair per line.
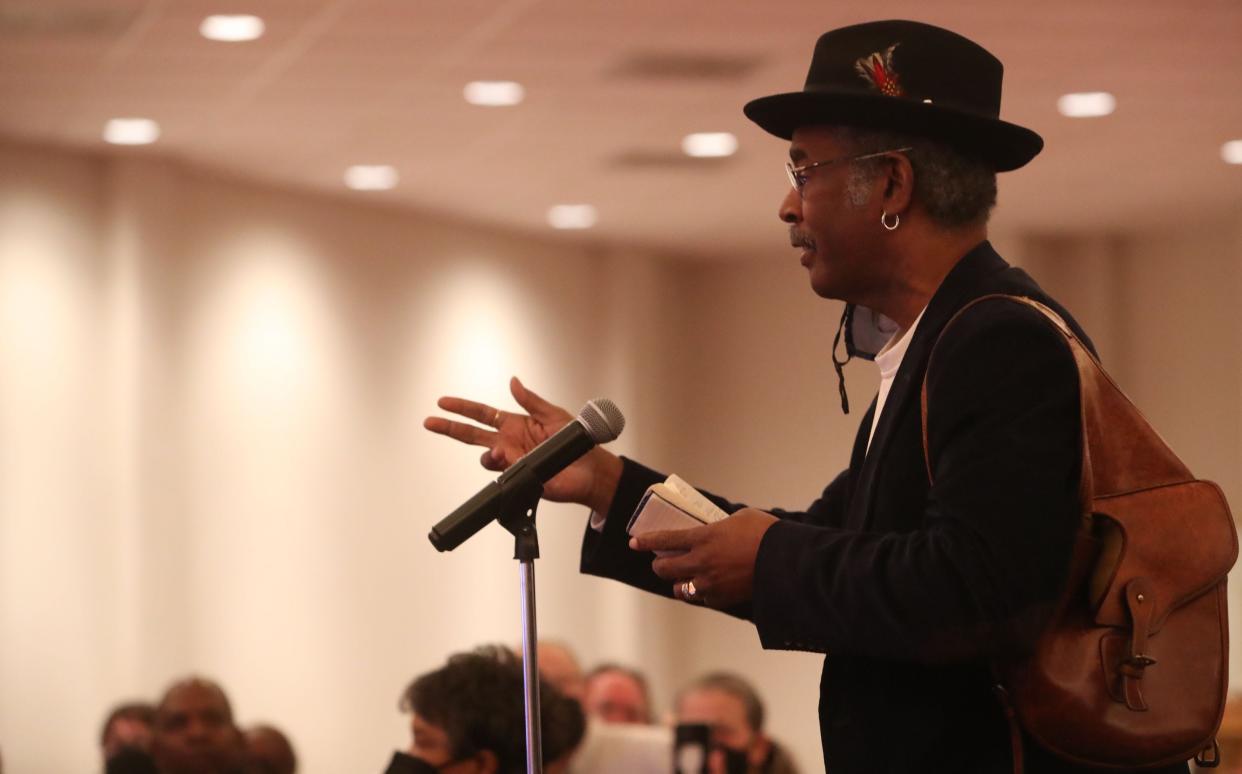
730,706
617,694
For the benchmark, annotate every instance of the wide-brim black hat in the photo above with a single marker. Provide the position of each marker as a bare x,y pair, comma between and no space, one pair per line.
907,77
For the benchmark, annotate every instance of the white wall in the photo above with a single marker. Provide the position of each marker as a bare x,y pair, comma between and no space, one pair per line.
212,459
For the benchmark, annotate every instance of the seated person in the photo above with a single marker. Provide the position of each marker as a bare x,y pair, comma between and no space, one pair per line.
468,717
559,665
194,732
733,711
269,750
606,748
126,729
617,694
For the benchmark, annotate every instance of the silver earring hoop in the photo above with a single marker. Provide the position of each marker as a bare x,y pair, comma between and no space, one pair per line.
884,221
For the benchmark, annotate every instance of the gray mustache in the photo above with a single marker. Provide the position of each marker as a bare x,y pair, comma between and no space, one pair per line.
799,239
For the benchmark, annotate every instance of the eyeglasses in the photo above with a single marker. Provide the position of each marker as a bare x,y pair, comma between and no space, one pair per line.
798,176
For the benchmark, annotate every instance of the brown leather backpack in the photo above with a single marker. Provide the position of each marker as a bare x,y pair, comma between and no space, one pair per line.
1131,670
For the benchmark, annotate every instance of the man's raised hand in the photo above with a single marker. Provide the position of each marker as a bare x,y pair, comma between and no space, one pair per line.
507,436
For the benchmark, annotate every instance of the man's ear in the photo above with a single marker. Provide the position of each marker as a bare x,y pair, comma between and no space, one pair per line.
898,183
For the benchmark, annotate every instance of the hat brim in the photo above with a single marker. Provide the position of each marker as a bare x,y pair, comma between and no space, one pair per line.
1004,145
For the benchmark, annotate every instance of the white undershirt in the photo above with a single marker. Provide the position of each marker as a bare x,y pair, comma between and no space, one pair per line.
889,360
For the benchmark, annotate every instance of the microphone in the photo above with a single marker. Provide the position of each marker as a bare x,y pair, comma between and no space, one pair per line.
600,421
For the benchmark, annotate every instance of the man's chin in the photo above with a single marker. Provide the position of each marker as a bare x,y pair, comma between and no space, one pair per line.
822,283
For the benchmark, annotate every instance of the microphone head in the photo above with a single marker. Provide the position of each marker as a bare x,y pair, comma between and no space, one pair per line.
602,420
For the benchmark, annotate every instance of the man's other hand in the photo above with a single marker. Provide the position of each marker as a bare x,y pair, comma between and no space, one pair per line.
715,565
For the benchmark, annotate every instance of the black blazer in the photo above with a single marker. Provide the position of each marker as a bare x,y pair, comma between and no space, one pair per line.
909,588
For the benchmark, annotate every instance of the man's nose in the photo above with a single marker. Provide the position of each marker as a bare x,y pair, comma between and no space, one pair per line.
791,206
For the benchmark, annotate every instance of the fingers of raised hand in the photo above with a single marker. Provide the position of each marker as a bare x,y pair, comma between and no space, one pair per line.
543,411
493,459
460,431
463,431
479,412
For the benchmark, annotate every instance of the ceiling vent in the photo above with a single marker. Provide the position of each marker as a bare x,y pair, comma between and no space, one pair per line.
677,65
640,158
34,18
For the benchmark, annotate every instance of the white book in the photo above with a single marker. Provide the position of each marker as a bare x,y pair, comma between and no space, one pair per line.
673,504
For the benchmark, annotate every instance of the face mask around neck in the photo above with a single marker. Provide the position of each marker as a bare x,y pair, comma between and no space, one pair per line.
866,332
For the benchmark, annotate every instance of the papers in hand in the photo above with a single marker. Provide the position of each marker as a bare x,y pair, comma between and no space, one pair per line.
673,504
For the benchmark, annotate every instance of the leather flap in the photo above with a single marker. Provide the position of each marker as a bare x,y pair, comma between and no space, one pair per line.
1180,537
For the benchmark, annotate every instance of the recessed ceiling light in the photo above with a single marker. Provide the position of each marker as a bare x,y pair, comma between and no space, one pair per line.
706,145
1087,104
1231,152
131,131
494,93
232,28
572,216
371,177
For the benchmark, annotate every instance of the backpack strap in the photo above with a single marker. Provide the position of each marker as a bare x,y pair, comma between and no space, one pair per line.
1076,347
1085,489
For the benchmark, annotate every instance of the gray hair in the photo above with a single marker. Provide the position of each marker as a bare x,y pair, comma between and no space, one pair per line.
735,686
955,189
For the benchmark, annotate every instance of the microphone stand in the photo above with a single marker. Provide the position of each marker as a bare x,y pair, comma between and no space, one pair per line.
517,515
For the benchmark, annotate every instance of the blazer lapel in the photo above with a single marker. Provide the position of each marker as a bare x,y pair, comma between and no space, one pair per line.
953,292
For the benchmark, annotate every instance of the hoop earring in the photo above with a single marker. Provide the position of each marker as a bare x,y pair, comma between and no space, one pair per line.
884,221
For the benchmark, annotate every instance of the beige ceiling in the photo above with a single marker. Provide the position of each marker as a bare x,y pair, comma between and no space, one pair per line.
612,86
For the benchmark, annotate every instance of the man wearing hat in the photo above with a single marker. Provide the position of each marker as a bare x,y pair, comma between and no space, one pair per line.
911,588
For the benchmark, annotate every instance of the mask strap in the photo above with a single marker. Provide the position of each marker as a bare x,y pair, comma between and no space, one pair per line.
837,364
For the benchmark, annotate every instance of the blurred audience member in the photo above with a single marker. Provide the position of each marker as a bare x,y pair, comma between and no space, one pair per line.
194,732
606,748
269,751
617,694
731,707
559,666
128,726
468,717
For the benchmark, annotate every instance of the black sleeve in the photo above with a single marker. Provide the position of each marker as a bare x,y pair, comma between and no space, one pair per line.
606,553
998,523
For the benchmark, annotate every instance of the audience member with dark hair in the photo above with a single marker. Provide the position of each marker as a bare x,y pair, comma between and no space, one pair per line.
269,750
731,707
194,732
127,727
617,694
468,717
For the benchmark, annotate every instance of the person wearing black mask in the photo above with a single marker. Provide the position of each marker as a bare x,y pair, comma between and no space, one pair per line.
731,708
467,717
